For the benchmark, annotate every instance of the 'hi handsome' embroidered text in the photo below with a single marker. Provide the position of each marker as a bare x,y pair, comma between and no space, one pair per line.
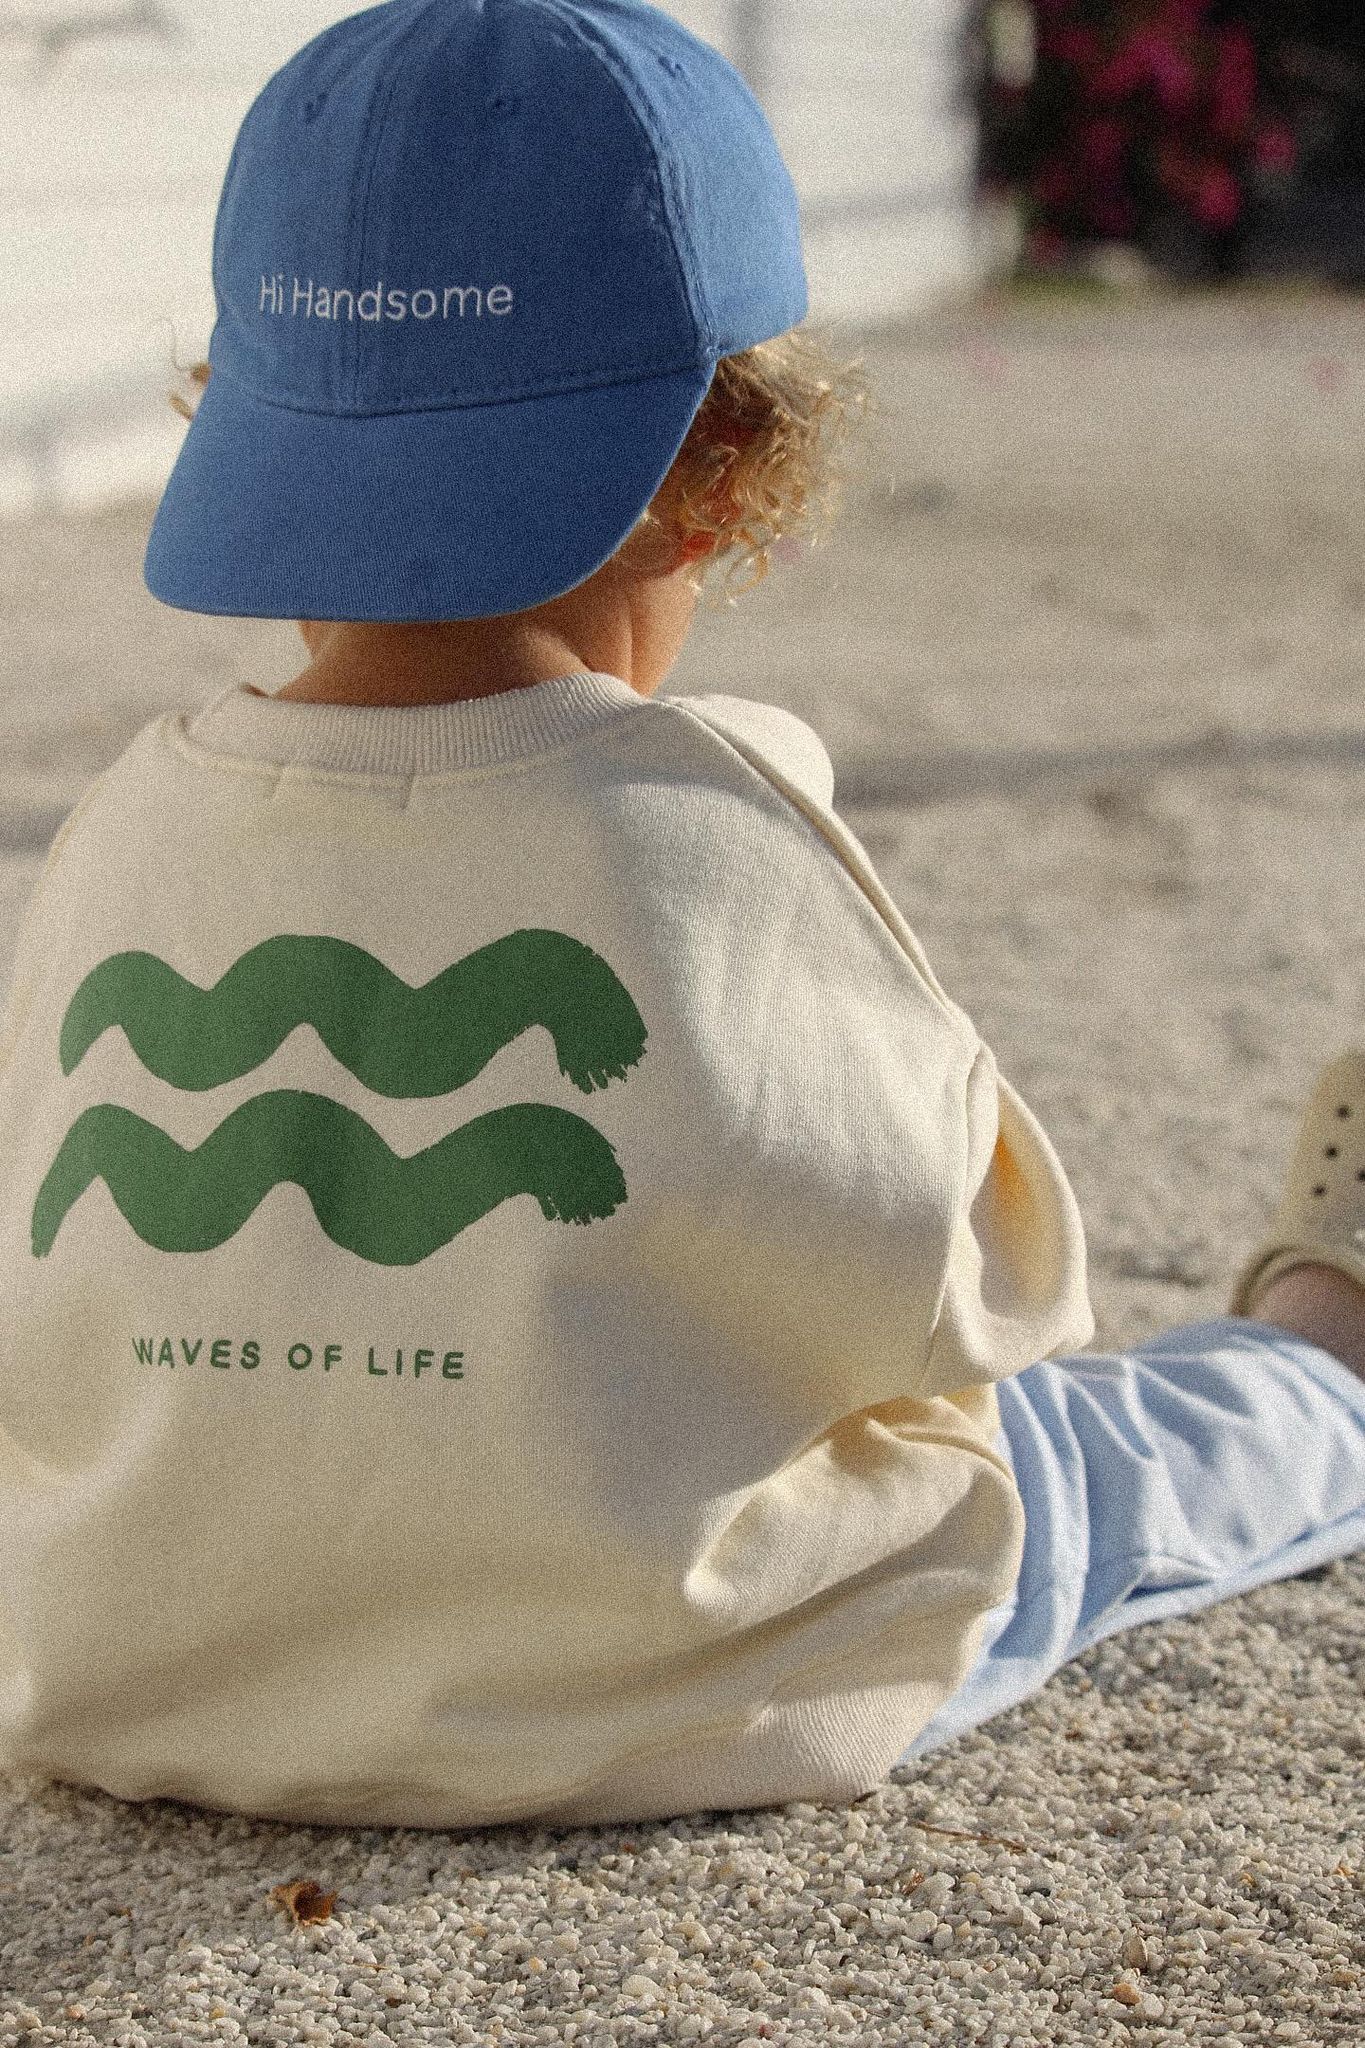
374,305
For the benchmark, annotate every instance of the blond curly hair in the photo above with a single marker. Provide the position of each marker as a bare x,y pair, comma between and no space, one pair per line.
761,462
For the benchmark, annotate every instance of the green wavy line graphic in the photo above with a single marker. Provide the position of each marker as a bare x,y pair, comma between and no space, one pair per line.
367,1198
398,1040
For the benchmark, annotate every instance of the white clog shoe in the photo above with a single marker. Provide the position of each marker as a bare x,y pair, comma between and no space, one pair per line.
1321,1217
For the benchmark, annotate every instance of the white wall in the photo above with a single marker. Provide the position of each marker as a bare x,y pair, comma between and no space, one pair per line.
114,141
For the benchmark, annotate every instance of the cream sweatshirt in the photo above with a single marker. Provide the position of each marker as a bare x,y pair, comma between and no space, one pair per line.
505,1253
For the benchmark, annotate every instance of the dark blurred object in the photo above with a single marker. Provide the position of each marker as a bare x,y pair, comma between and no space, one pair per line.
1217,137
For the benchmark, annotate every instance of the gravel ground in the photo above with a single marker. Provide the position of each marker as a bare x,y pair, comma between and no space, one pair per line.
1086,651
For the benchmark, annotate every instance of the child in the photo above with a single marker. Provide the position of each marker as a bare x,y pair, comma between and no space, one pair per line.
521,1298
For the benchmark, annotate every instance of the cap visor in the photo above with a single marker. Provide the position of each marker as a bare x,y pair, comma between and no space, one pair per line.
455,513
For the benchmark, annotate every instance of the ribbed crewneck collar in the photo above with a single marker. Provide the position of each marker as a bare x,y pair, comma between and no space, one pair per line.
411,739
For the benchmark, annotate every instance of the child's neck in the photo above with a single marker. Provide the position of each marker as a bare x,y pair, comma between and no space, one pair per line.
622,623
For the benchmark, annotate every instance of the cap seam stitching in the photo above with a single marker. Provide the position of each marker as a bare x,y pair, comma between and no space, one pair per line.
675,217
596,379
374,125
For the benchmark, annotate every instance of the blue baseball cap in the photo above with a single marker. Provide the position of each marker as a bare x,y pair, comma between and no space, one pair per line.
474,264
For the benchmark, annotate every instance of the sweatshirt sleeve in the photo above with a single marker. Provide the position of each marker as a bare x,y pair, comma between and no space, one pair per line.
783,747
1014,1287
905,1214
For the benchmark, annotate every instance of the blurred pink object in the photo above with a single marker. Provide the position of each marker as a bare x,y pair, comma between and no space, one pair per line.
1103,141
787,549
1081,48
1275,148
1150,56
1173,74
1233,98
1217,198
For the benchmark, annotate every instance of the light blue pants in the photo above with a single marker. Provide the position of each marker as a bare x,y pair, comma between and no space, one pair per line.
1215,1457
